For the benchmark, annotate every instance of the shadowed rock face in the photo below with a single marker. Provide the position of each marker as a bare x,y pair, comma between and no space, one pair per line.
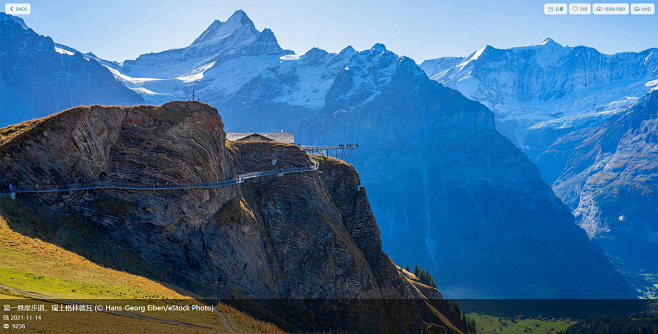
459,199
607,174
276,239
36,80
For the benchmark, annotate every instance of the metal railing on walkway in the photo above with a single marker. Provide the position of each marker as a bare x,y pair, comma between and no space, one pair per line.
160,186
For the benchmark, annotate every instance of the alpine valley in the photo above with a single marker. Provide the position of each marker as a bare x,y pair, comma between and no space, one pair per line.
448,191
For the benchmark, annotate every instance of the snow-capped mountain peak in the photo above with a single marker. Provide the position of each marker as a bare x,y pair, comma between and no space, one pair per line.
153,74
240,16
546,44
477,54
474,56
547,81
314,57
267,37
548,41
378,48
348,49
218,29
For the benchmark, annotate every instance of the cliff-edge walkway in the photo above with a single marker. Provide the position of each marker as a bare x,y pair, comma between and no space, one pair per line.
163,186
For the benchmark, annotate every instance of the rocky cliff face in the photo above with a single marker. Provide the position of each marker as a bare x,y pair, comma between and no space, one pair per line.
607,174
38,79
304,248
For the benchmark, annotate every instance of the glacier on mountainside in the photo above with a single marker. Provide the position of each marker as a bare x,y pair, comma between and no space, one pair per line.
220,61
548,85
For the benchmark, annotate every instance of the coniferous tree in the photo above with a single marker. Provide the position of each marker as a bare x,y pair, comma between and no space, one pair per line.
406,267
424,276
598,324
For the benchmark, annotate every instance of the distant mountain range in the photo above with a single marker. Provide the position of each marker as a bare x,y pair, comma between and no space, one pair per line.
37,78
548,85
218,63
577,113
449,192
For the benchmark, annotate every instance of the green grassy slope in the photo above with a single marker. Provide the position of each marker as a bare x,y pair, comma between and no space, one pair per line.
30,264
488,324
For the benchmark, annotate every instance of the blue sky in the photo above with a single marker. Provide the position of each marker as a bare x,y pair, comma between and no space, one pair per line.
423,29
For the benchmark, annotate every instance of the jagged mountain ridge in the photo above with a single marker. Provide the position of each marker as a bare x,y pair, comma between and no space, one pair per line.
548,81
37,78
277,241
220,75
220,30
539,92
297,87
204,64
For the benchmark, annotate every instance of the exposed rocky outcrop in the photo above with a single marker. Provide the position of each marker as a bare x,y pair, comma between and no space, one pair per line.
304,249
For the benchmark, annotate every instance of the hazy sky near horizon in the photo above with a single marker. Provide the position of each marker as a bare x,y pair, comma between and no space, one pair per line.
422,29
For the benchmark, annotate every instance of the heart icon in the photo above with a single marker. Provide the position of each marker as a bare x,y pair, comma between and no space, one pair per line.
575,8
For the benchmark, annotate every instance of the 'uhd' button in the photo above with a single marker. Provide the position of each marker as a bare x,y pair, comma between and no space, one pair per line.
643,8
18,8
